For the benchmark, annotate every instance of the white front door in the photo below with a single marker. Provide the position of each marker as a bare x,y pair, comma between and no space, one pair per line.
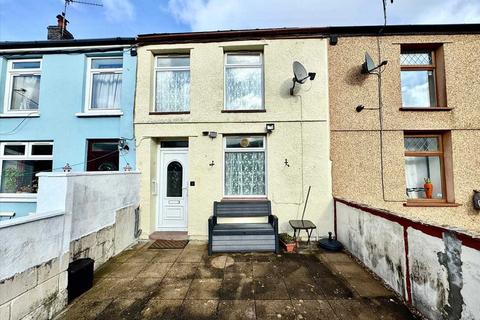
173,190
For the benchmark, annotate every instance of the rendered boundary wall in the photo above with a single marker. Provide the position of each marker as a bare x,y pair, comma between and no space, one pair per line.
79,217
435,269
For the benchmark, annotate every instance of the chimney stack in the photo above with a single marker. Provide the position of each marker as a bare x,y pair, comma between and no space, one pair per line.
59,32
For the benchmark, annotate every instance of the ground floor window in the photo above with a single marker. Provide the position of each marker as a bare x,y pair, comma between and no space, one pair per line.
244,166
424,166
102,155
19,164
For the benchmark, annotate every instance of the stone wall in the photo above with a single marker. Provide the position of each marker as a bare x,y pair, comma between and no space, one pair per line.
435,269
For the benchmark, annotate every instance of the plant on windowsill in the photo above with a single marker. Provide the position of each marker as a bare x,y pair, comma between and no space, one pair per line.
428,186
288,242
11,176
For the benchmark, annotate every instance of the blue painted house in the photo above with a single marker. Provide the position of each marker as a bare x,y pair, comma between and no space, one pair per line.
63,104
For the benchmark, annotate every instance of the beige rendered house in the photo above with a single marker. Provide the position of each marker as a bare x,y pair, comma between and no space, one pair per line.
215,121
427,125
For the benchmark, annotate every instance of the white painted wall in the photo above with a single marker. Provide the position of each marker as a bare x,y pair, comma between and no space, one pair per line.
29,241
91,198
377,242
372,238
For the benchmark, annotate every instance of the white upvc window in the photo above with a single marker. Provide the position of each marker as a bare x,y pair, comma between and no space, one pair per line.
172,84
243,88
22,89
244,166
19,164
104,84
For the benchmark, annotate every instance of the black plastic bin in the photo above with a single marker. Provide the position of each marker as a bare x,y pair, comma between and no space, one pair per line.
80,277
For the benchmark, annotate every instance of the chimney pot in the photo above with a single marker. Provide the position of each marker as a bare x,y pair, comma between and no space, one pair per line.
59,32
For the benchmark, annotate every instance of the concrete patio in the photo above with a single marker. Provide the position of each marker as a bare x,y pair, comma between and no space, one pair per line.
144,283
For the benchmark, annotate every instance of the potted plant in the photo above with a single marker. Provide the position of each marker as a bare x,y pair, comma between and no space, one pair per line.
288,242
428,186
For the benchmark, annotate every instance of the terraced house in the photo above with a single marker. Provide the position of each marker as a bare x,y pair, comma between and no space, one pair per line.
215,121
67,105
405,134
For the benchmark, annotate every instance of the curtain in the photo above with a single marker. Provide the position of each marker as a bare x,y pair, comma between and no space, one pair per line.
173,91
243,88
106,91
25,92
244,173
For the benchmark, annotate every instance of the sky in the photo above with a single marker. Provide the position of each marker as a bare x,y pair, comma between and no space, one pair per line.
27,19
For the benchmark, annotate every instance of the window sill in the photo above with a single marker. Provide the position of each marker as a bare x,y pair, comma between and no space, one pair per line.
18,197
244,111
430,204
99,114
154,113
20,115
434,109
259,198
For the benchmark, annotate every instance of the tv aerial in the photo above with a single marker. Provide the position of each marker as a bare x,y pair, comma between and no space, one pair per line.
368,67
69,2
300,75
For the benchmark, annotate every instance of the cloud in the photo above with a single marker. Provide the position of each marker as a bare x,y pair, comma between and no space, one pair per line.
119,10
240,14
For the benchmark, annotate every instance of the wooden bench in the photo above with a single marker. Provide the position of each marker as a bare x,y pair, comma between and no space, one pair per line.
242,237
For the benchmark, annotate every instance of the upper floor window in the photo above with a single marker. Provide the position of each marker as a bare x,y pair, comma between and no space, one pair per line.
422,78
244,81
19,164
104,87
23,85
172,83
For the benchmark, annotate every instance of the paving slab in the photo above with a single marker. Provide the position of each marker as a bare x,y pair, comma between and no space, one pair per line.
313,309
127,270
236,309
162,309
199,309
237,288
141,288
85,309
303,288
166,255
188,284
244,269
208,270
353,310
204,289
154,270
270,289
182,270
173,289
274,309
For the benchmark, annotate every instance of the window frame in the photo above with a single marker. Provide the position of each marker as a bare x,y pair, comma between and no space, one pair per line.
439,153
26,197
89,85
227,66
256,149
9,84
156,68
438,69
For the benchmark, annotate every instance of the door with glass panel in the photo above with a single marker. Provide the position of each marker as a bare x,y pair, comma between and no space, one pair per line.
172,191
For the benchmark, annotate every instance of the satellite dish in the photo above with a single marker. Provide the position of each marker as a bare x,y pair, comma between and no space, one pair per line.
369,66
299,72
300,75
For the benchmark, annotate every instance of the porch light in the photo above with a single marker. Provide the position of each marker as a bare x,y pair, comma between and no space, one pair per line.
269,127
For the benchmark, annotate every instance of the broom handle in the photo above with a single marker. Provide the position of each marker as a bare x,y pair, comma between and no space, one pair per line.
306,200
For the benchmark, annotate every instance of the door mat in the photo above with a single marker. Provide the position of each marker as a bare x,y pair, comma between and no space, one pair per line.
168,244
